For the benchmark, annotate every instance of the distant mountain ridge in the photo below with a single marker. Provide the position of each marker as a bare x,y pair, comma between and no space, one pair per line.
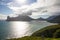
51,19
54,19
19,18
22,18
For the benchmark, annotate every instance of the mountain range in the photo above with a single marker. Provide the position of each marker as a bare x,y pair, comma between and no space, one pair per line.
54,19
51,19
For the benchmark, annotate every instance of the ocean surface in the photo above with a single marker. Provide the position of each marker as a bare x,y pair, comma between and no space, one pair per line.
17,29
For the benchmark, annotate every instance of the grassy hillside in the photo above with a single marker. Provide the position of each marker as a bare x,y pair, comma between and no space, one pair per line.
35,38
47,33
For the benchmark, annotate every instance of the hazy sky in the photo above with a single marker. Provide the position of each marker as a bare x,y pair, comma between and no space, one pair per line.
38,8
4,9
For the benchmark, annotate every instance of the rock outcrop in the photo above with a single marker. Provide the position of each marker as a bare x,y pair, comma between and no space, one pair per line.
19,18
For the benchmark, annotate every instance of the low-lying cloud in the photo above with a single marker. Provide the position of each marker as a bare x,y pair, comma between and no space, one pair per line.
3,17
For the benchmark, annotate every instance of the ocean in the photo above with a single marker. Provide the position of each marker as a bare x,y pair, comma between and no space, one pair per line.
17,29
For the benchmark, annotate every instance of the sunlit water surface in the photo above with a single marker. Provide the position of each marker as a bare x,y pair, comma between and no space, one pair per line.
17,29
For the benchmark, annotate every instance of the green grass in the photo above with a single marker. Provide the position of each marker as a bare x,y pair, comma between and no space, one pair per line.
35,38
47,28
48,31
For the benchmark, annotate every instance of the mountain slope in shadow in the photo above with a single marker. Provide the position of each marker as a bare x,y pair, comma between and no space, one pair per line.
54,19
48,32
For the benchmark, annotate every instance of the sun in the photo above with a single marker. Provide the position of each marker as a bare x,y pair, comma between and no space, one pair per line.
21,1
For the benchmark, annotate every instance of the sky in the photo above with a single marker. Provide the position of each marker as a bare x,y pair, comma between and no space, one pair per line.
6,10
34,8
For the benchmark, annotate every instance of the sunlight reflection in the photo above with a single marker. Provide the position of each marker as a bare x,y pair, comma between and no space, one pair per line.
18,29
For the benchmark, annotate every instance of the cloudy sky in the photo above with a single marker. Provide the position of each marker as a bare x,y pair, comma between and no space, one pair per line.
37,8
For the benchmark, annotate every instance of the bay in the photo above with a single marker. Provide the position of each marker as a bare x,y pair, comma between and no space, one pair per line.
17,29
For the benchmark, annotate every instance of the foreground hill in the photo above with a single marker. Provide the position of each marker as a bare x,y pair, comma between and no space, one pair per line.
50,32
34,38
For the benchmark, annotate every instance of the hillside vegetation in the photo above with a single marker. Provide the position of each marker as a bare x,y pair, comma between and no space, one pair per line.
49,31
35,38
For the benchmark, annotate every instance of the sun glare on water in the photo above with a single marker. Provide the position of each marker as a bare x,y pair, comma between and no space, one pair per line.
18,29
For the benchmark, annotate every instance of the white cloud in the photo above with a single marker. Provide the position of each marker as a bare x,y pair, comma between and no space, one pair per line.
3,17
20,9
38,7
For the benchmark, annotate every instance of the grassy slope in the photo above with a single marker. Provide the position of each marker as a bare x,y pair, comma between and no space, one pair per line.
48,31
35,36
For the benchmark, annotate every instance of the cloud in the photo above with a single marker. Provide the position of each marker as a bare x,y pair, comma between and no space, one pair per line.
41,7
3,17
24,8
